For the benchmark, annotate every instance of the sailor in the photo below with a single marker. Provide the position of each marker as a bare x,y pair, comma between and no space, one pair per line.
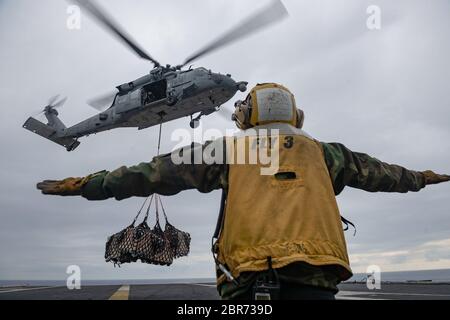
280,232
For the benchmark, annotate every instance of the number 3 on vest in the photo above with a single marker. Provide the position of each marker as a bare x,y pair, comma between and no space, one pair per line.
289,142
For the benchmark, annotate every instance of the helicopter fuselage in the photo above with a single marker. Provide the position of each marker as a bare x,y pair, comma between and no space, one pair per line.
160,97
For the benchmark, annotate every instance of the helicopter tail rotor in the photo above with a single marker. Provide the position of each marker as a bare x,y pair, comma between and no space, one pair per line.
58,104
54,130
52,105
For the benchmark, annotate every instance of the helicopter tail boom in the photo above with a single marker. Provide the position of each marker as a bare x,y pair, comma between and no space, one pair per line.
50,133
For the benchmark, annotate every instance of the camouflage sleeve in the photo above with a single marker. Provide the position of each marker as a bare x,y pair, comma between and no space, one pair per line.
161,176
359,170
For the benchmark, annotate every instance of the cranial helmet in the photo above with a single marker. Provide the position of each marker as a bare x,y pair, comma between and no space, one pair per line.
267,103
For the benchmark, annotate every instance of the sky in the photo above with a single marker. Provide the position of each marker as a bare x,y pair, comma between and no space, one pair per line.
383,92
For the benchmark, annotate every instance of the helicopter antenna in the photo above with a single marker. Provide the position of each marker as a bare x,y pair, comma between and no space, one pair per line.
107,21
270,14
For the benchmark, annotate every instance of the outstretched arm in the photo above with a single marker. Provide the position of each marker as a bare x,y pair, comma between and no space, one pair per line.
359,170
160,176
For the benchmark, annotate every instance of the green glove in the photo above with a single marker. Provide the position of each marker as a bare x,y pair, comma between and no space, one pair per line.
66,187
434,178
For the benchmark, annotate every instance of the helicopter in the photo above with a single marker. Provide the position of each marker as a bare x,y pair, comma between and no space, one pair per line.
165,94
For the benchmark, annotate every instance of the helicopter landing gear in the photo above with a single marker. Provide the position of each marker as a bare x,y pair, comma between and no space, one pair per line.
195,122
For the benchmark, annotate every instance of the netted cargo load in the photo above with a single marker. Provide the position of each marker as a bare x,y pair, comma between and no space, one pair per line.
152,246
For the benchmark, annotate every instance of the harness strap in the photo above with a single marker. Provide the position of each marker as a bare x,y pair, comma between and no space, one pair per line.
347,222
220,218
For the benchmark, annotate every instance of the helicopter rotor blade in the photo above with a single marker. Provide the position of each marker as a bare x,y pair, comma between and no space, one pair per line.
52,104
94,9
271,14
101,103
52,100
59,104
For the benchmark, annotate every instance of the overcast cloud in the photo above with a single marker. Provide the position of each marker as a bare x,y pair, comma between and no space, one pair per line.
383,92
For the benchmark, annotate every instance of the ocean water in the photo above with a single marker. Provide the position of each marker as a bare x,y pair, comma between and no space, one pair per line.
433,276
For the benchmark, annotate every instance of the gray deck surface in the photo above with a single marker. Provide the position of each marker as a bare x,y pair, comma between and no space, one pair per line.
349,291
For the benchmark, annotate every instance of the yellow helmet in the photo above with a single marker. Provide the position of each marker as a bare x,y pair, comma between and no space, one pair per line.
267,103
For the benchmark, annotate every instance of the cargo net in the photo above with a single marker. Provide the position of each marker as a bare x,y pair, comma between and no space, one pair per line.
152,246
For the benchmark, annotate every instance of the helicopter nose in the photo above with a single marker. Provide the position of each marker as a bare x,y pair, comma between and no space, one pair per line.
228,85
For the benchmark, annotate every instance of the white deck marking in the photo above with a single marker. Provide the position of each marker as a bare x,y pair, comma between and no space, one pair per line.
350,295
364,293
25,289
203,285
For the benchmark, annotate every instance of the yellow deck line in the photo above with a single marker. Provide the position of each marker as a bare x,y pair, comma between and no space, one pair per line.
121,294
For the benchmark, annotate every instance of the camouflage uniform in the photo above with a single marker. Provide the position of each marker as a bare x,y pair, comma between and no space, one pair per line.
162,176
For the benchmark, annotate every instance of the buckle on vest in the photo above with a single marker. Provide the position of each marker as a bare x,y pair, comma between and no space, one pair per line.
267,285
